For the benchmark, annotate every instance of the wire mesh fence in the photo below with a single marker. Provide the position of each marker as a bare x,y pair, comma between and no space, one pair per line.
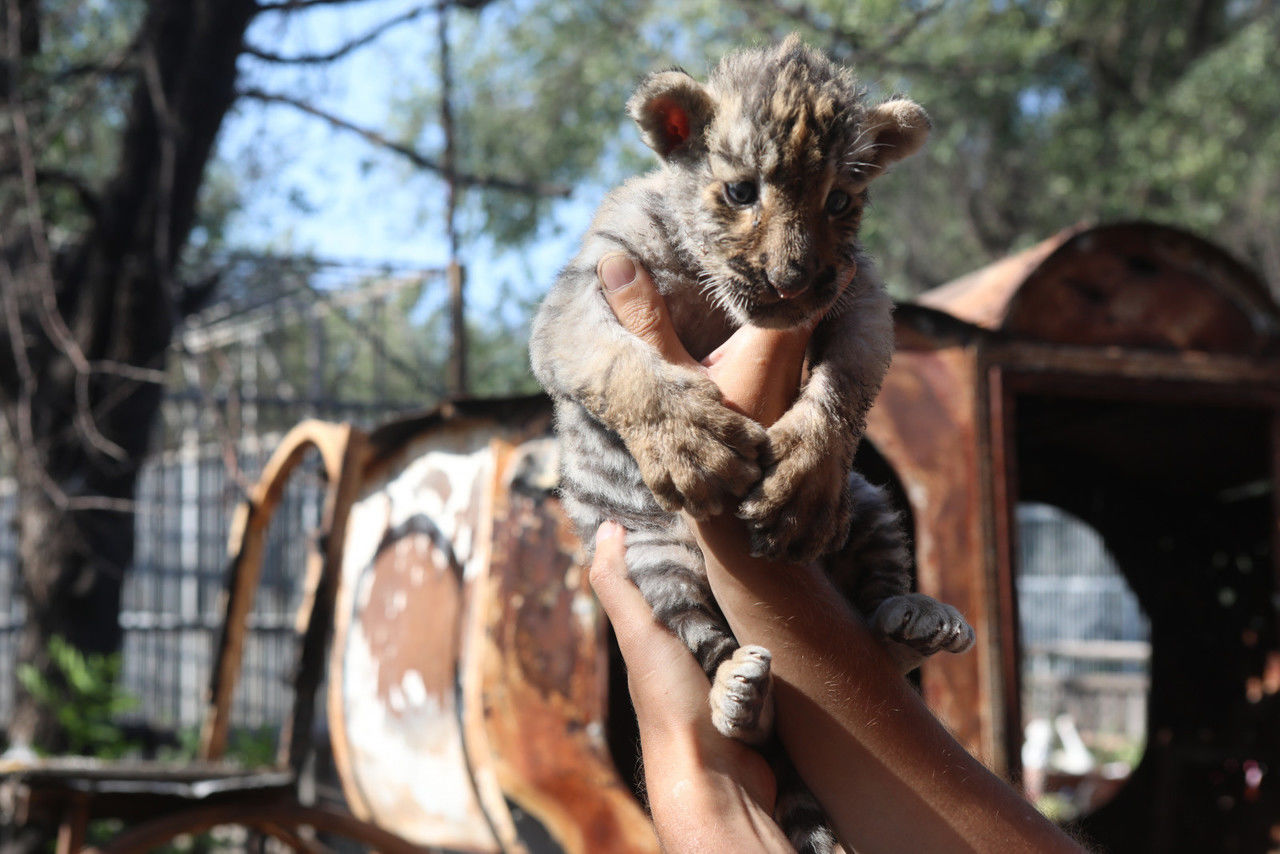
1085,640
1085,650
300,342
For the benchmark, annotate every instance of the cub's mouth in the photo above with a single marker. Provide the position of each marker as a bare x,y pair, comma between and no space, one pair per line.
780,307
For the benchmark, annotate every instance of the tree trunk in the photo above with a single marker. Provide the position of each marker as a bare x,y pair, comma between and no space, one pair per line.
77,410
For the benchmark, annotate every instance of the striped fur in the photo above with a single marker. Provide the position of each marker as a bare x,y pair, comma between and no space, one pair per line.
642,439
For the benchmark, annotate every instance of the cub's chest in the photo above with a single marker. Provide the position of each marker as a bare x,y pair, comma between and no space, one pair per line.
701,324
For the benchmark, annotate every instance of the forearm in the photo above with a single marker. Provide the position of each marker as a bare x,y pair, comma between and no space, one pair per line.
699,805
885,770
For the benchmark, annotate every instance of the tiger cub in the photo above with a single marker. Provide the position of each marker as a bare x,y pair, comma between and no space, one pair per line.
752,218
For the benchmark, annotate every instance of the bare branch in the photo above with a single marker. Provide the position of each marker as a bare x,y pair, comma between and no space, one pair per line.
50,317
490,182
374,339
25,433
295,5
349,47
909,26
88,198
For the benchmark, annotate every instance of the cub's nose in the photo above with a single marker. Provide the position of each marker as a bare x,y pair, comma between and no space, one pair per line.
789,282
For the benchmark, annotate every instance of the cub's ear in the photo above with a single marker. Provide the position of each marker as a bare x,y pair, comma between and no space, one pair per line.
672,110
891,131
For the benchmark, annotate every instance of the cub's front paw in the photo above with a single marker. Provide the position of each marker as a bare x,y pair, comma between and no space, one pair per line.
742,695
801,509
922,623
695,454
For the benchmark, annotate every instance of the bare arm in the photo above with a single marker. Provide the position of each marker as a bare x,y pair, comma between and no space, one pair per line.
888,774
706,792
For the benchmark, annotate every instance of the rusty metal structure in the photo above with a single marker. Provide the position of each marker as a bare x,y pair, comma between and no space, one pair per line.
1129,374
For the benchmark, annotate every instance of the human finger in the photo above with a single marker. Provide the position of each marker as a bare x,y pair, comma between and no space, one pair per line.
758,370
658,662
639,307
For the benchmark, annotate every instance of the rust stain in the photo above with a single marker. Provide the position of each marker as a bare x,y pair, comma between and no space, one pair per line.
412,606
1129,284
438,482
924,423
545,686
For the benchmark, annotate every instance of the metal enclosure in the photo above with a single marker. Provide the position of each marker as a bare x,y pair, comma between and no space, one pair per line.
1128,374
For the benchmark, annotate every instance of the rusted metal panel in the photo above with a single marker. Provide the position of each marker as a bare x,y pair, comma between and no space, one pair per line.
341,451
415,536
1135,285
925,423
469,665
1003,477
983,296
547,668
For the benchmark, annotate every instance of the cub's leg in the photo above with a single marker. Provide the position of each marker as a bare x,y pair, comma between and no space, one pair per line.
665,563
667,566
873,571
797,811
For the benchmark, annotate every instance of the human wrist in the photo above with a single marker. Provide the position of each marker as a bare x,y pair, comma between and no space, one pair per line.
705,809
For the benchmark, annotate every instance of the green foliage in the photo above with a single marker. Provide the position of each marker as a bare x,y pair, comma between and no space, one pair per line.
84,697
75,98
1046,112
252,747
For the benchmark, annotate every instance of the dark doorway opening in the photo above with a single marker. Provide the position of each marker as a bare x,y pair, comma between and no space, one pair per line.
1179,488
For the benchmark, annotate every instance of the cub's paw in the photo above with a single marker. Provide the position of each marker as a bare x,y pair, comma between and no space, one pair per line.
742,695
695,454
922,623
801,508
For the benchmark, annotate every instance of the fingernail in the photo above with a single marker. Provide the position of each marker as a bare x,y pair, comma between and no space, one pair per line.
616,271
608,530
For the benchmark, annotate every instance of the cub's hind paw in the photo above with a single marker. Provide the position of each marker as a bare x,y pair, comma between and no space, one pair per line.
922,623
742,695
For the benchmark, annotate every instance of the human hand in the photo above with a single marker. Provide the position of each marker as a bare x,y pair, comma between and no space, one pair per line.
706,792
757,370
886,782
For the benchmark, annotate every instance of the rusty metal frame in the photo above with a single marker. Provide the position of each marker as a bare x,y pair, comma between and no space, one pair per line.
341,448
1003,490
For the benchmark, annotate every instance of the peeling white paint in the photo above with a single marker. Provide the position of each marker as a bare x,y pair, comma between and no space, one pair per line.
406,753
586,612
572,578
918,494
415,690
407,757
461,461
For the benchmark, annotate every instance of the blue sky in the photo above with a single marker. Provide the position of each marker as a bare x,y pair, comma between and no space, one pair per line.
308,186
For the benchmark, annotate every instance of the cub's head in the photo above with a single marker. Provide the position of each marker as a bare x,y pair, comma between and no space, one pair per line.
774,154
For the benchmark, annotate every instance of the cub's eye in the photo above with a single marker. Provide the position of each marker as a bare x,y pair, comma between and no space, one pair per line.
838,202
741,192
